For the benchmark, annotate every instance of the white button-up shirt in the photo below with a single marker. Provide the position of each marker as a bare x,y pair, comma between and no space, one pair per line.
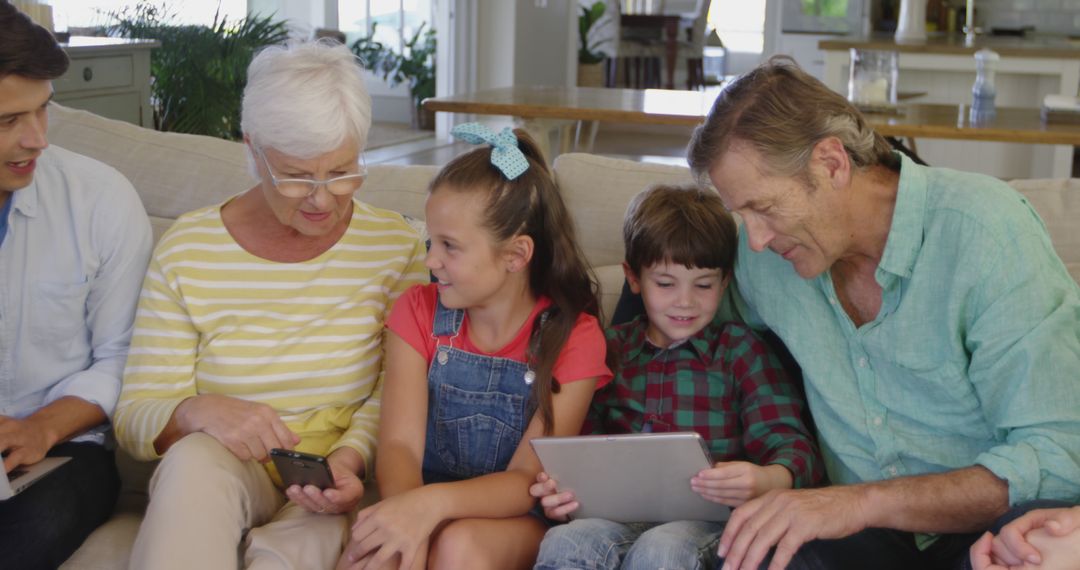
71,266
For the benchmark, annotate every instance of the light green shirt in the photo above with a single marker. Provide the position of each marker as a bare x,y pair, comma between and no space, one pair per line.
973,359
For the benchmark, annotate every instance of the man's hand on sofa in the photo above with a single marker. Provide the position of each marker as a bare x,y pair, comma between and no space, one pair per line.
347,467
248,429
960,501
788,519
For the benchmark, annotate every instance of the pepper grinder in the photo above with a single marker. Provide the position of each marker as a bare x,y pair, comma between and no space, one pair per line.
983,91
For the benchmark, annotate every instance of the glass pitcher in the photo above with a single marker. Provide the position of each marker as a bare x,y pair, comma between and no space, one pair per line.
872,79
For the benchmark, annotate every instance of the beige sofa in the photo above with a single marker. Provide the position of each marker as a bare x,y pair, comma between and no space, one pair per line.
176,173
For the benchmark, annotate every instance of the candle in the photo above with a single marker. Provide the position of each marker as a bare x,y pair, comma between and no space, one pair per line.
969,19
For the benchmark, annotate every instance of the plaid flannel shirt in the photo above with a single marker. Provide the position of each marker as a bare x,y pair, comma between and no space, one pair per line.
724,383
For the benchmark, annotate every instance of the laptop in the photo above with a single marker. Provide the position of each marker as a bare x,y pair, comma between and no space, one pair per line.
631,478
25,475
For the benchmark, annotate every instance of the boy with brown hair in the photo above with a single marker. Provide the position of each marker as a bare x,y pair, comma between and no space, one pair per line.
683,369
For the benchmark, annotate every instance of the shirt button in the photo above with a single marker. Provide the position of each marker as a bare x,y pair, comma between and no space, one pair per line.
862,362
832,300
877,421
893,471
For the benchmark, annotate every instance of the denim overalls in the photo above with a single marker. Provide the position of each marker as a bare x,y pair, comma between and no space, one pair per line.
478,407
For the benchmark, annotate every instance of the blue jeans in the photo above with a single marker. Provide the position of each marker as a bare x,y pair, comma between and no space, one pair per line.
598,544
884,549
42,526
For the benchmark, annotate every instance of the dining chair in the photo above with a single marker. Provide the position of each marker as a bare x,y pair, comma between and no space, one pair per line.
641,49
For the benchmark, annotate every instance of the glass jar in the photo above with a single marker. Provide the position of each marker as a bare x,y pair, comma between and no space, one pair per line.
872,79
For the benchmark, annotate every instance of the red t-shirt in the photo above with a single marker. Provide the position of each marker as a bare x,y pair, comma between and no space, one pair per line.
582,356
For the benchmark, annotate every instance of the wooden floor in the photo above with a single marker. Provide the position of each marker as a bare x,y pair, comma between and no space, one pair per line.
661,144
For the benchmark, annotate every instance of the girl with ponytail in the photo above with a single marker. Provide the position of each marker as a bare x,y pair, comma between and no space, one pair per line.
504,347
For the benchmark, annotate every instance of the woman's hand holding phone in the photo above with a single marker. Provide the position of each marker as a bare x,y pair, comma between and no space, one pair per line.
348,489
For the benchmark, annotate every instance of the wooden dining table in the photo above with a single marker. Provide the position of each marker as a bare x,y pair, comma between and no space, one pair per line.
543,110
574,113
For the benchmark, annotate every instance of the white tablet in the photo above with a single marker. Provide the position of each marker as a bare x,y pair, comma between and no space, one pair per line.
631,478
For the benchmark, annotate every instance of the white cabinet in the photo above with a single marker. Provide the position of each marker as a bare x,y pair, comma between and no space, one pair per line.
109,77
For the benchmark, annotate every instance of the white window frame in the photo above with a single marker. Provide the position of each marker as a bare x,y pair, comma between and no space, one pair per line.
332,14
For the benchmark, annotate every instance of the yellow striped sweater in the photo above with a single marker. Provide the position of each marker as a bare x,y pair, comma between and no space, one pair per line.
303,338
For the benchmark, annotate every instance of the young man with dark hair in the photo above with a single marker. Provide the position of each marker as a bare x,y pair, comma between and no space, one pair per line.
74,244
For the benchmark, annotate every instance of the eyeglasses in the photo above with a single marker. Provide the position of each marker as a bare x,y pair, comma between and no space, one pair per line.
303,187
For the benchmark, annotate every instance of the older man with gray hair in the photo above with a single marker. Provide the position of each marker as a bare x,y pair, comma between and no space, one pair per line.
937,330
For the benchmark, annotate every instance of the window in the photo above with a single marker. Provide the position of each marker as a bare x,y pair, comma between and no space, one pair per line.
395,21
740,24
69,14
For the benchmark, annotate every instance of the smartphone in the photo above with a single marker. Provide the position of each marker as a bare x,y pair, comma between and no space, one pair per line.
298,468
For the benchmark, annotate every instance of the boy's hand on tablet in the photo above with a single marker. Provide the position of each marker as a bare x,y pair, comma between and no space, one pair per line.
732,483
557,506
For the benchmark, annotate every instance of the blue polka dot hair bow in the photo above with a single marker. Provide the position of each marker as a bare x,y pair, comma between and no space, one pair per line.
505,154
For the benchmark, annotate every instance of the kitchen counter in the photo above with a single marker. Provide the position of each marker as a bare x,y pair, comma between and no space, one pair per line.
943,67
1035,45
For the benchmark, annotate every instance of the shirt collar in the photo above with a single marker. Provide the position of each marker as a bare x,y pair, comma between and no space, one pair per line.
25,200
909,216
699,343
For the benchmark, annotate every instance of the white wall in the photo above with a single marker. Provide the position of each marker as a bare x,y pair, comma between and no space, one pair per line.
523,42
494,44
545,44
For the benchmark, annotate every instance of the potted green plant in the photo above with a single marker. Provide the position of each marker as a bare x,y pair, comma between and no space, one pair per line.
199,72
590,58
414,66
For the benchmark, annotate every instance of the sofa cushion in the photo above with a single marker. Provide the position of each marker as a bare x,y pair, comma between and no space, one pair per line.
174,173
402,189
597,190
611,279
1057,201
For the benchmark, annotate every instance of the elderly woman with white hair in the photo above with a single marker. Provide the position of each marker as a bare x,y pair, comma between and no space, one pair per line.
260,326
